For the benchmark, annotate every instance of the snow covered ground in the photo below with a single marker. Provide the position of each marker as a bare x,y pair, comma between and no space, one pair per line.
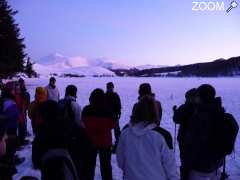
170,91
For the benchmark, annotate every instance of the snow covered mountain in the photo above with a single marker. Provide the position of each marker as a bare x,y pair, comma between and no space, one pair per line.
79,66
76,66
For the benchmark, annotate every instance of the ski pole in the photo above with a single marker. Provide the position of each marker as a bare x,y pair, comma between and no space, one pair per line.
175,137
224,175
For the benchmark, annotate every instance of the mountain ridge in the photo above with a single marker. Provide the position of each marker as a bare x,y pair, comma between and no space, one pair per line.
216,68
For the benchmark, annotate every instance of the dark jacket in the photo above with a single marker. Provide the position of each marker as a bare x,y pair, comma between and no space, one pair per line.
57,164
201,139
45,140
113,103
98,123
158,105
7,171
12,112
183,116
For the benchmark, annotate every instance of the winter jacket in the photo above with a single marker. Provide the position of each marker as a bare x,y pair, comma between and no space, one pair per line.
98,123
52,93
50,135
57,164
114,103
34,115
201,139
12,112
158,105
146,153
21,107
7,171
33,109
75,108
183,116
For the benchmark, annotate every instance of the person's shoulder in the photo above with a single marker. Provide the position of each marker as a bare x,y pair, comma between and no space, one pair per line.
87,108
116,94
33,103
125,131
75,104
125,127
166,135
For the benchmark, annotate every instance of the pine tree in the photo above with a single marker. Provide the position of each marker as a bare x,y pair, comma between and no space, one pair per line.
11,45
29,69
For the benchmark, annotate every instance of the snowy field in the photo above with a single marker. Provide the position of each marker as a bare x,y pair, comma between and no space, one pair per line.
169,91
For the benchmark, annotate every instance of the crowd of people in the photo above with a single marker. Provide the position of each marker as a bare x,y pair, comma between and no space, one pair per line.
68,138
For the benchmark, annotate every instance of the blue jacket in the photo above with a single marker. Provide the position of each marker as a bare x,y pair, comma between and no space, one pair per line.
11,110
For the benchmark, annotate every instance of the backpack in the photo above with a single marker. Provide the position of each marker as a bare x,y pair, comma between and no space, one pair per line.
57,164
226,133
66,115
78,142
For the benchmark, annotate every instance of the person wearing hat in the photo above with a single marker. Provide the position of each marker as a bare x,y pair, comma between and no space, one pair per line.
52,90
33,110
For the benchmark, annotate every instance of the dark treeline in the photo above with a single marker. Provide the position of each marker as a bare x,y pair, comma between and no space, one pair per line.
216,68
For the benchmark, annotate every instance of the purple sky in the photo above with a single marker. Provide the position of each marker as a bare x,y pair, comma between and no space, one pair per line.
128,31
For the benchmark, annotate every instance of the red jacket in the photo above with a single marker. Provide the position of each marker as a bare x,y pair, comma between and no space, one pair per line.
98,126
20,105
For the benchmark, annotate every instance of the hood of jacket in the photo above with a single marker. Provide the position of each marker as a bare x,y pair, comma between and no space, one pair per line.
141,129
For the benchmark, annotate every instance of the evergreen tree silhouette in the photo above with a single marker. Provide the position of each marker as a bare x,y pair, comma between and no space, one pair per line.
11,45
29,69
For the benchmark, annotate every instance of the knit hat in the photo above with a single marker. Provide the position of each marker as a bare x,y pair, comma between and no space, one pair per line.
41,94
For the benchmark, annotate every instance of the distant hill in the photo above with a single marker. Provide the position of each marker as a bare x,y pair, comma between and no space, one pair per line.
59,65
220,67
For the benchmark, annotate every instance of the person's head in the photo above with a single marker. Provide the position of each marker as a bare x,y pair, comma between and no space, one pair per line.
71,90
145,111
3,136
22,85
145,90
97,97
21,81
40,94
110,87
52,81
190,95
206,93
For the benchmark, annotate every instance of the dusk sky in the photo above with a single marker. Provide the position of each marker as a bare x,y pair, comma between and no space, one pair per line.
134,32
